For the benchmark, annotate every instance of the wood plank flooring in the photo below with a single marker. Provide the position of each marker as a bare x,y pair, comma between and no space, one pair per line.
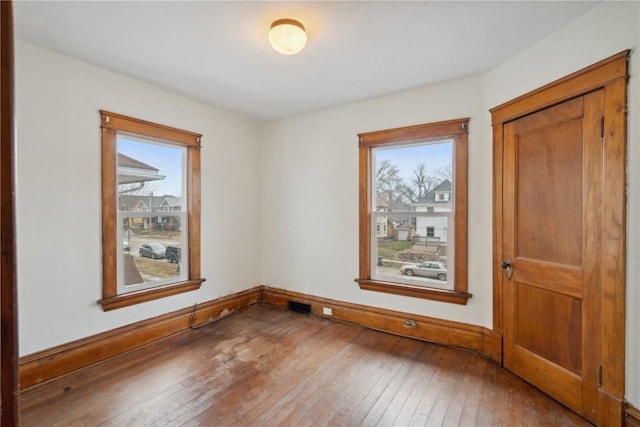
268,367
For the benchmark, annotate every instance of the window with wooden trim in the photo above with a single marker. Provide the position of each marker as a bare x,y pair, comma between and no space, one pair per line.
414,179
150,211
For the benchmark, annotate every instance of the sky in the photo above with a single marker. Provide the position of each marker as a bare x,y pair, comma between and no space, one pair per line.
434,155
167,159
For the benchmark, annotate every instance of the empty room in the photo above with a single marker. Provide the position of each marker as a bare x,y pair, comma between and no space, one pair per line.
263,213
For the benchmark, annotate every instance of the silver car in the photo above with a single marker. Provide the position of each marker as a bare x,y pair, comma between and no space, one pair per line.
433,269
152,250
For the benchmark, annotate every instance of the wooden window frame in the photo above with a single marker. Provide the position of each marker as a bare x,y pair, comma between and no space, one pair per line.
457,130
111,124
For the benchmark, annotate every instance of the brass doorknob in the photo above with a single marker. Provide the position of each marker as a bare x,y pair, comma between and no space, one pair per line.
507,265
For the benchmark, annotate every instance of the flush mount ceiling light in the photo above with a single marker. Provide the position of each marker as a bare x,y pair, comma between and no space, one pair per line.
287,36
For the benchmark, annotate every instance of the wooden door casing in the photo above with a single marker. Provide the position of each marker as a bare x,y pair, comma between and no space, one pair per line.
10,382
602,306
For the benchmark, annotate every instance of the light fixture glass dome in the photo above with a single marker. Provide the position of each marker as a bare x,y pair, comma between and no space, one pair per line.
287,36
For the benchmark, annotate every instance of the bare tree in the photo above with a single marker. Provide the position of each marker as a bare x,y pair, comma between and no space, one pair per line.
129,195
444,172
405,194
390,187
422,181
387,179
394,192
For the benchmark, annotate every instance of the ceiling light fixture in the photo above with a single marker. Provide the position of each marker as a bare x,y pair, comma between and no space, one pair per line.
287,36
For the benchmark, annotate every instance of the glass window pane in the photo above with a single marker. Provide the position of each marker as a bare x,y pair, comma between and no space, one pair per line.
150,176
414,251
414,174
152,250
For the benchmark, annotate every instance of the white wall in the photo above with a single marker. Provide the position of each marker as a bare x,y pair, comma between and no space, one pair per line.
310,184
58,195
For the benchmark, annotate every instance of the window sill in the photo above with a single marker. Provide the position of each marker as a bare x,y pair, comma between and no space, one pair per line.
453,297
132,298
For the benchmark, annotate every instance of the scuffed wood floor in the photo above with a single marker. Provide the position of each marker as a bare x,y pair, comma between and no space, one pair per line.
268,367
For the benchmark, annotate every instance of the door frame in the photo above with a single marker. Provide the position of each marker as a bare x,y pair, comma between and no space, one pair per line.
9,382
610,75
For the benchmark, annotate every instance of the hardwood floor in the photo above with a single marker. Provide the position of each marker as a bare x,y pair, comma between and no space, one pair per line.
268,367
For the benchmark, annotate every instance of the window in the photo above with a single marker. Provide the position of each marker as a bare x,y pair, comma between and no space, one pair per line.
442,197
150,211
420,174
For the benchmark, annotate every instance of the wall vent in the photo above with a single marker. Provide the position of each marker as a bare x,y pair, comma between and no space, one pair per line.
299,307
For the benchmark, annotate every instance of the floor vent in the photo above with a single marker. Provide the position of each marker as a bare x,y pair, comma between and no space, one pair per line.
299,307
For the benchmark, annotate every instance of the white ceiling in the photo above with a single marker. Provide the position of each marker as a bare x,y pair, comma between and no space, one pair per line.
218,52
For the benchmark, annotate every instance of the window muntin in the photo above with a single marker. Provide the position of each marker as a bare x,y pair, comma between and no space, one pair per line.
445,210
150,210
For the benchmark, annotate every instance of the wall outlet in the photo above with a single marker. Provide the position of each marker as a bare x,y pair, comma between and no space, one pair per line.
327,311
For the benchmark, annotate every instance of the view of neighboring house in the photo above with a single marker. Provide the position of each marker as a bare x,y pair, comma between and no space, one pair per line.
382,221
151,203
135,196
436,200
132,171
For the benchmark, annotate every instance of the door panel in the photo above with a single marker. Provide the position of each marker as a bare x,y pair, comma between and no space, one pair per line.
557,334
548,191
551,214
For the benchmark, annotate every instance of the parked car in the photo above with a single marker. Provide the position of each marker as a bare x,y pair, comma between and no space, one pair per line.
173,254
152,250
125,246
427,269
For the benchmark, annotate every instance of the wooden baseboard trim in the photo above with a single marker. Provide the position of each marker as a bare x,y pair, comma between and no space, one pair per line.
45,365
52,363
631,416
470,337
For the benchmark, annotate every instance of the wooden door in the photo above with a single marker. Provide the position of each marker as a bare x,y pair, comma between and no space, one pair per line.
559,156
552,237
